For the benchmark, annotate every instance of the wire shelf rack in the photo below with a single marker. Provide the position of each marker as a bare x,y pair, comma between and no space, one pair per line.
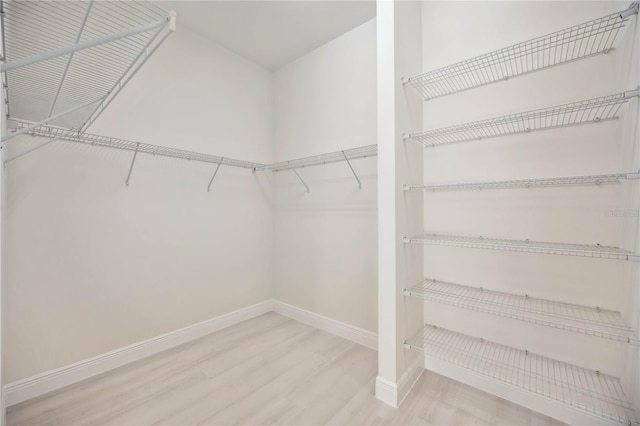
69,59
591,391
109,142
526,246
528,183
581,112
316,160
570,44
592,321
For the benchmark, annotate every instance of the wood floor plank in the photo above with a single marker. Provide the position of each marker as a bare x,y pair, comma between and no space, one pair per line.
268,370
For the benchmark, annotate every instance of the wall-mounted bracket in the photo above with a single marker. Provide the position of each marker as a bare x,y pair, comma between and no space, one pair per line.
635,175
214,174
133,161
352,171
632,93
633,258
296,172
631,10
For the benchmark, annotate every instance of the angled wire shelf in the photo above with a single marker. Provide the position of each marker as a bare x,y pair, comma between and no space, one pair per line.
580,41
591,391
526,246
581,112
73,135
592,321
316,160
528,183
67,60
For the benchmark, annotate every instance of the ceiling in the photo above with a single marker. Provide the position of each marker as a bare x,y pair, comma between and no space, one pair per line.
271,33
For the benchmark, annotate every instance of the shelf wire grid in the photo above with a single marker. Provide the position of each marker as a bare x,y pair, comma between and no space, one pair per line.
44,89
591,391
570,44
527,183
526,246
575,113
316,160
122,144
592,321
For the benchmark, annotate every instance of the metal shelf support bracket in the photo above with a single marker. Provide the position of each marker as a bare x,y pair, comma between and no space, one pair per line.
214,174
296,172
352,171
133,161
631,10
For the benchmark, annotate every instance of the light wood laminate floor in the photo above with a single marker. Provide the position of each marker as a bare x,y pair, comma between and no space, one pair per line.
268,370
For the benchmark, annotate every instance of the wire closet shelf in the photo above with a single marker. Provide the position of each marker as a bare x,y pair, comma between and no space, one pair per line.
316,160
591,391
580,41
67,60
58,133
581,112
592,321
528,183
526,246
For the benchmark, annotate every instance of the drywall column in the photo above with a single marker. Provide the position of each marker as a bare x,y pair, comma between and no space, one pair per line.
399,162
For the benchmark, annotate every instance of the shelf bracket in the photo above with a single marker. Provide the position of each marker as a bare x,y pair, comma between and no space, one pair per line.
133,161
54,117
214,174
296,172
632,93
633,257
42,145
635,175
352,171
631,10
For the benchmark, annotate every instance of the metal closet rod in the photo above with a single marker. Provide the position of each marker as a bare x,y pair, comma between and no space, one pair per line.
568,45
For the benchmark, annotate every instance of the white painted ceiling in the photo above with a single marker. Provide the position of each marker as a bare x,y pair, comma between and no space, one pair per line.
271,33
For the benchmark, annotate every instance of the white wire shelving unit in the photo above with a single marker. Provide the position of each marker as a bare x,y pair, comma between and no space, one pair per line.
581,41
332,157
526,246
591,391
575,113
528,183
65,61
592,321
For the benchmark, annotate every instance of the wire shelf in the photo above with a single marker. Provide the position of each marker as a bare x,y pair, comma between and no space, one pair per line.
581,112
565,316
580,41
316,160
527,183
591,391
526,246
109,142
60,82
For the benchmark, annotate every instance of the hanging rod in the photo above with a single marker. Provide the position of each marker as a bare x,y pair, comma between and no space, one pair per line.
316,160
527,183
526,246
49,50
588,390
143,148
592,321
571,44
581,112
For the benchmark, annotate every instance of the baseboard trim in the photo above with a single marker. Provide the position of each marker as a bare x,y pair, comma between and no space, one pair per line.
346,331
48,381
514,394
394,394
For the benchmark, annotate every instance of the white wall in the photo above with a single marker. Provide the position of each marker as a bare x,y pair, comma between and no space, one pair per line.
453,31
325,240
93,265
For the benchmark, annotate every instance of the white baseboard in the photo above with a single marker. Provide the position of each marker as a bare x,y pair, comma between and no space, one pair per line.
346,331
394,393
514,394
48,381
